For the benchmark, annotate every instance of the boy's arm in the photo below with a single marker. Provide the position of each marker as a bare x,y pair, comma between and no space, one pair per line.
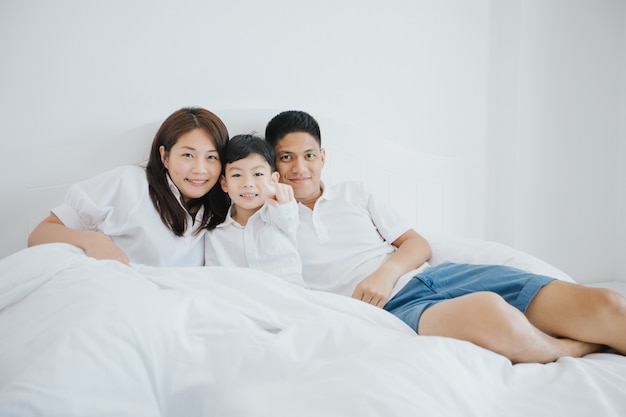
95,244
284,210
412,251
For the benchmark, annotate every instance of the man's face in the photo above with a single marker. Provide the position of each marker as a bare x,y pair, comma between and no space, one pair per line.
299,161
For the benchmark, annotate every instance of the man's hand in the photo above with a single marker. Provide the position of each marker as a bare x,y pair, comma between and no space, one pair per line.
375,289
413,250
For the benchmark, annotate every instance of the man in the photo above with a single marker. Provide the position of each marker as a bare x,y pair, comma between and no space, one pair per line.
351,245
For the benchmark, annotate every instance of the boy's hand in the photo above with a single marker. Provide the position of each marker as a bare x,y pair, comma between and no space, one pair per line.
278,193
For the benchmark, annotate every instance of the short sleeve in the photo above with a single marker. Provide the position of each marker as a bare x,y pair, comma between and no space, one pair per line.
390,224
106,199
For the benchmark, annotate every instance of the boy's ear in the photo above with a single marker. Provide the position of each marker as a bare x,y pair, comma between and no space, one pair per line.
275,176
223,183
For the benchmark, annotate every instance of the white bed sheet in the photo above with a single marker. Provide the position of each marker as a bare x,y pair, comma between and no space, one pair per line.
81,337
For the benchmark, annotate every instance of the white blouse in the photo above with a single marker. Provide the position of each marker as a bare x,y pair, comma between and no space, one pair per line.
117,203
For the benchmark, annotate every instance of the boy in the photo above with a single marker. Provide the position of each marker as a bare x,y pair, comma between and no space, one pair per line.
353,246
260,228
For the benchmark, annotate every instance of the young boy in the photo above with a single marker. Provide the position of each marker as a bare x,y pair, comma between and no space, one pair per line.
352,245
260,229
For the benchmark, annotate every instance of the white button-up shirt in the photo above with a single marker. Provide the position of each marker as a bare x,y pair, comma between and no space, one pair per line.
266,243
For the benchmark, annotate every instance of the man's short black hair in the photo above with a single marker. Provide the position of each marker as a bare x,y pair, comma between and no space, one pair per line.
292,121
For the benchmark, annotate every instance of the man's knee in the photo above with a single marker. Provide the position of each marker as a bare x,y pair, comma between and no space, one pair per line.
505,328
608,302
484,318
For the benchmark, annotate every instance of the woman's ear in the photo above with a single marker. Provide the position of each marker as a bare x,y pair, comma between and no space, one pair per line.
164,156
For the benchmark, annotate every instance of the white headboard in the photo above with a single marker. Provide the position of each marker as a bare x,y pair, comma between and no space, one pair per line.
430,190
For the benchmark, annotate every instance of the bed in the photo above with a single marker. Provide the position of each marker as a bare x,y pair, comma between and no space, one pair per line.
81,337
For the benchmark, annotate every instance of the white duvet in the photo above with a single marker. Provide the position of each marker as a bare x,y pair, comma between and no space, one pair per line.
80,337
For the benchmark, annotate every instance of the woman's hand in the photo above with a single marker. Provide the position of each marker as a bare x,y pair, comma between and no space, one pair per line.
95,244
99,246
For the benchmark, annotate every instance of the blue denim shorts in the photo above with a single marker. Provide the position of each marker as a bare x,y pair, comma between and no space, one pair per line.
450,280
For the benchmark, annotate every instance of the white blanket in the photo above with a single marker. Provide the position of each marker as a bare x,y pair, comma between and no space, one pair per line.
80,337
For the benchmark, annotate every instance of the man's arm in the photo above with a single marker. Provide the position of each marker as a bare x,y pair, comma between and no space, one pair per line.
95,244
412,251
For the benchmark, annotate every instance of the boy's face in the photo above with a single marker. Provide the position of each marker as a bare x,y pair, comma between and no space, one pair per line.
299,161
244,181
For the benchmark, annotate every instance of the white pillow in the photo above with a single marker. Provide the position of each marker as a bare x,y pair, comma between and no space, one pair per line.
477,251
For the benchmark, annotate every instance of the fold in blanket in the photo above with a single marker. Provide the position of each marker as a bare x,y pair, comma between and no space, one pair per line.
82,337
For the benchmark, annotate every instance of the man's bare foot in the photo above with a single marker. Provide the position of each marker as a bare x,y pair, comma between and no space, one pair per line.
577,349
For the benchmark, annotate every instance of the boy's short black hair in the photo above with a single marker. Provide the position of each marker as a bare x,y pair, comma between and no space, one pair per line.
292,121
242,146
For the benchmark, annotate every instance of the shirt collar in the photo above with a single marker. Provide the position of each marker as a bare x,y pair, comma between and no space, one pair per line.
229,218
262,212
328,193
173,188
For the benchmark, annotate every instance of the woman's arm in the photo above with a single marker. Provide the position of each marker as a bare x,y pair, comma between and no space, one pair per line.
95,244
412,251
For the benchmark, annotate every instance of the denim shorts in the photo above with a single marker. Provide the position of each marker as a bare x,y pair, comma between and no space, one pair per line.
450,280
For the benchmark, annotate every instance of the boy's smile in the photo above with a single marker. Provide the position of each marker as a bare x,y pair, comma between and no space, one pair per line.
249,196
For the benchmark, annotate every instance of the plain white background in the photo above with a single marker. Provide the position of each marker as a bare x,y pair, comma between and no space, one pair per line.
530,93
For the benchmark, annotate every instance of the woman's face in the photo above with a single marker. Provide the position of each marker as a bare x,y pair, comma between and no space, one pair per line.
193,164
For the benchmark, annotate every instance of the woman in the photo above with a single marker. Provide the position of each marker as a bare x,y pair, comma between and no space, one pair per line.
153,216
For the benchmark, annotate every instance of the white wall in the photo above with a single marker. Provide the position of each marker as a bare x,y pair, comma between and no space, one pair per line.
620,250
84,70
526,92
558,109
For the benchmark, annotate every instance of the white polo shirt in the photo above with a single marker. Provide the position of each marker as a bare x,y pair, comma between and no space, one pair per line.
117,203
346,237
266,243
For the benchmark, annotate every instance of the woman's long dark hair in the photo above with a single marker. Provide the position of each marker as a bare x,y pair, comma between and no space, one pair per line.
215,202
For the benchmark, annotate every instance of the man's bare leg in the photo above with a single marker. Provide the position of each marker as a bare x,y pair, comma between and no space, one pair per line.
486,320
595,315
